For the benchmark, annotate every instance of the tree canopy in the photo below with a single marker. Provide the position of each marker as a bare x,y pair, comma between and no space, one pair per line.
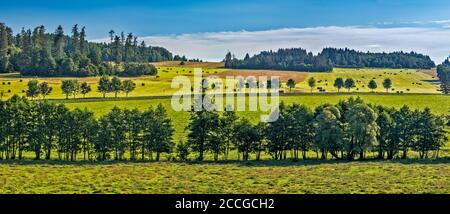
40,53
298,59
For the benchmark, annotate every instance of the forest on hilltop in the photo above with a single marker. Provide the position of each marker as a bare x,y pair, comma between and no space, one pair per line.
298,59
39,53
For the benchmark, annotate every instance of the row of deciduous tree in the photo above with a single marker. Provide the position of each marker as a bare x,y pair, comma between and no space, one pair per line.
44,128
38,53
348,130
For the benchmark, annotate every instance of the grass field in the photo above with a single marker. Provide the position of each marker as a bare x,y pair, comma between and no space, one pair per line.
412,176
404,80
310,176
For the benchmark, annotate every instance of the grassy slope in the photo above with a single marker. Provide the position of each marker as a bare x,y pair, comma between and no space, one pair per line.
251,177
411,176
402,80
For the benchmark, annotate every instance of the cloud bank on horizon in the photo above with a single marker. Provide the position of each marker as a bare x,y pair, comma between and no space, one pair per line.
212,46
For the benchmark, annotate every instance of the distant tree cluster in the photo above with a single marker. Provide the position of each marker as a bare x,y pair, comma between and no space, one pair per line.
297,59
347,58
38,53
348,130
443,73
44,128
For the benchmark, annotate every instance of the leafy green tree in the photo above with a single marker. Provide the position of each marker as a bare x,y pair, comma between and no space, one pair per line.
104,141
443,73
312,83
85,88
361,130
372,85
277,134
404,129
339,83
226,129
116,86
385,134
431,134
291,84
70,87
182,151
134,130
158,131
128,86
33,89
87,129
328,137
116,132
247,138
349,84
387,84
301,130
202,123
45,89
104,85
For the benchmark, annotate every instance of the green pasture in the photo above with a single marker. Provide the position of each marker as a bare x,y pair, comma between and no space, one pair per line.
404,81
312,176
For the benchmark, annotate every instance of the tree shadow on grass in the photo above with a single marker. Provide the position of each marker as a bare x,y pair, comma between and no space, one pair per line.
250,163
312,162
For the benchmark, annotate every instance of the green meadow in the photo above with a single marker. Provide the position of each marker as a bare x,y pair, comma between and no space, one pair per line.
399,177
404,80
414,88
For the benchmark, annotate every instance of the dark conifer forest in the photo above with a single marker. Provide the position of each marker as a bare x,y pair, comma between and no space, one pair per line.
38,52
298,59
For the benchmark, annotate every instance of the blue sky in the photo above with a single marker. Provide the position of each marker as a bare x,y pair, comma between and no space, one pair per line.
163,22
183,16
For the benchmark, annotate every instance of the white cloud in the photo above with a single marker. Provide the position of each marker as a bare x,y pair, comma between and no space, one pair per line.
213,46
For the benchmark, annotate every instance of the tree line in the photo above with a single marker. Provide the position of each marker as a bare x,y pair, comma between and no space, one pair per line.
443,73
43,128
348,130
73,87
340,83
39,53
298,59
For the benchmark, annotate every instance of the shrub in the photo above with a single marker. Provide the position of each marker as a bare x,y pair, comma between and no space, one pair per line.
138,69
